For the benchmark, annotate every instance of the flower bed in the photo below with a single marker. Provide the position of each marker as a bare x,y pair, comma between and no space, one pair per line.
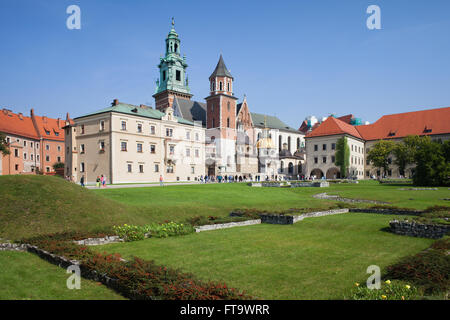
136,279
389,290
135,233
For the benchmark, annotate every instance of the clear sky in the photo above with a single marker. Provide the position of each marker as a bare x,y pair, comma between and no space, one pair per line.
291,58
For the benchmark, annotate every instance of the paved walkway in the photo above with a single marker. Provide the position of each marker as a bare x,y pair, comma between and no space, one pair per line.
142,185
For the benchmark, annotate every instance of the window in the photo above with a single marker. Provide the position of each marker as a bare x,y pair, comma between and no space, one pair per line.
124,125
228,104
156,167
188,135
16,153
367,173
47,169
31,144
59,148
213,123
324,159
171,150
333,159
139,127
141,168
228,89
139,147
82,129
220,86
188,152
169,132
193,170
123,146
31,156
102,146
152,129
197,137
47,147
324,147
178,75
228,122
333,146
102,125
16,167
37,157
281,166
25,156
37,145
316,160
316,147
59,159
47,158
24,143
197,153
129,167
82,167
164,75
152,148
82,148
169,169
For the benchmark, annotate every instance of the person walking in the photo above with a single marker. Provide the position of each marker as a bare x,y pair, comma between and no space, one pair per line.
161,181
82,181
104,181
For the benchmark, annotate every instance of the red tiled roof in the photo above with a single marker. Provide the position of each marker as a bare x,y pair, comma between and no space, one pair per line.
347,118
13,124
410,123
400,125
333,126
49,128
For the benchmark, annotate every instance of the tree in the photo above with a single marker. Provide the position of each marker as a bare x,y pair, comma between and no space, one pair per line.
58,165
342,156
432,163
3,145
404,152
379,154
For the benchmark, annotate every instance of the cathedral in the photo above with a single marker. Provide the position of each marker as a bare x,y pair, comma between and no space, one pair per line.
237,141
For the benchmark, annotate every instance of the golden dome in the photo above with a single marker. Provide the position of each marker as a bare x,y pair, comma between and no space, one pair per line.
265,143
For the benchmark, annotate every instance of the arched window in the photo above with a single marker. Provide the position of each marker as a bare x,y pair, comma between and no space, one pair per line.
220,86
291,168
289,143
228,105
214,86
228,86
228,122
176,47
281,166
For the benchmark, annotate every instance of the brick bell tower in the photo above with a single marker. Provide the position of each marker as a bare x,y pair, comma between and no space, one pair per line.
221,118
173,81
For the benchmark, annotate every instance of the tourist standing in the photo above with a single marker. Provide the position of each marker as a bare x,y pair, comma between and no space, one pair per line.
98,182
161,181
104,181
82,181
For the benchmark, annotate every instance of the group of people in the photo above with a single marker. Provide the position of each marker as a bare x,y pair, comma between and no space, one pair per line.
100,181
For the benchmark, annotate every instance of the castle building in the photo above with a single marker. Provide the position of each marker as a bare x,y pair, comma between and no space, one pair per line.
321,141
180,139
36,143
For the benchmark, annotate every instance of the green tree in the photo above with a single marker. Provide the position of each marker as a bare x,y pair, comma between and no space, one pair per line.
342,156
379,154
3,145
404,152
432,163
57,165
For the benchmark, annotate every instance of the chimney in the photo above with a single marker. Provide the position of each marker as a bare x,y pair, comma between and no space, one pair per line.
115,102
58,123
32,112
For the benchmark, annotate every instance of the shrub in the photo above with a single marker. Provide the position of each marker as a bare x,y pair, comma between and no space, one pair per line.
135,233
390,290
429,269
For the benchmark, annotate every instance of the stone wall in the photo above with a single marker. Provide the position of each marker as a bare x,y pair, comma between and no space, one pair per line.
99,241
7,246
413,229
291,219
227,225
388,211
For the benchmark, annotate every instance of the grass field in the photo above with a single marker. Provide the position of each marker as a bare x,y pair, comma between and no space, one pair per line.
317,258
25,276
32,205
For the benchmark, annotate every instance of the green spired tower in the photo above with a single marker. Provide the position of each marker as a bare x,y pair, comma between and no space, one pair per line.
173,81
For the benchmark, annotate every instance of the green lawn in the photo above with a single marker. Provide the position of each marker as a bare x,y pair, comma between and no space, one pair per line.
317,258
26,276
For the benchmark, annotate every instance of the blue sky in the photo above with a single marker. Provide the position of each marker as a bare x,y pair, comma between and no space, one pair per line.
291,58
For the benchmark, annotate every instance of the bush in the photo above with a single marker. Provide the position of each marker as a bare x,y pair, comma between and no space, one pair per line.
429,269
390,290
135,233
